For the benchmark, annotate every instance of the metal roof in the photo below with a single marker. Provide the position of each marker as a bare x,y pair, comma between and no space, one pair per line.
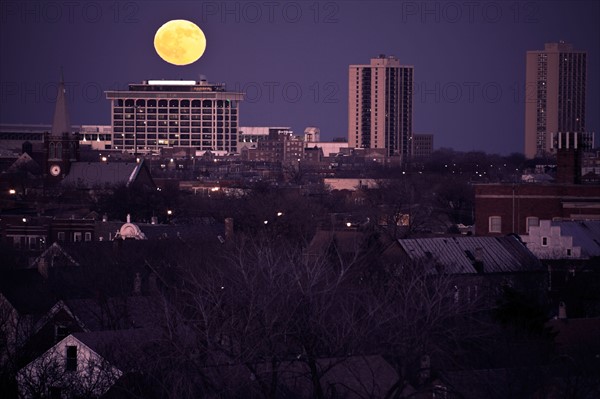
586,234
457,255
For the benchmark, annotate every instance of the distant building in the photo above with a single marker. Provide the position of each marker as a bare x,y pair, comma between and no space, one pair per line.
570,149
422,145
279,146
12,136
564,239
555,88
312,134
249,136
380,106
502,209
174,113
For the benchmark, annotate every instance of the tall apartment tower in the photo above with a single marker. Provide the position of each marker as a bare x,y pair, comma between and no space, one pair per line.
380,106
554,95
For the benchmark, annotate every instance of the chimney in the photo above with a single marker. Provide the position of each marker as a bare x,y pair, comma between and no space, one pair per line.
43,267
137,284
478,263
569,156
228,229
128,218
562,311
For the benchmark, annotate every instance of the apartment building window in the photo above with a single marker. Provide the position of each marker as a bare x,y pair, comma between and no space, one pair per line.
71,363
544,241
495,224
88,236
77,237
532,221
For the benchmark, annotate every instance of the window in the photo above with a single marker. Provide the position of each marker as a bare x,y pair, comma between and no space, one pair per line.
569,252
88,236
532,221
61,236
77,237
60,332
495,224
71,364
544,241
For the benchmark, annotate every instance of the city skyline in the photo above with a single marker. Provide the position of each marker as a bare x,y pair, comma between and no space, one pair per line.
292,59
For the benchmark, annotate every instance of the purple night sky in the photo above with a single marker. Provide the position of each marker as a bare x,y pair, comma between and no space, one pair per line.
292,58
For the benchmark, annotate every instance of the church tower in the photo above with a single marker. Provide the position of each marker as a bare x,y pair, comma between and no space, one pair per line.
61,145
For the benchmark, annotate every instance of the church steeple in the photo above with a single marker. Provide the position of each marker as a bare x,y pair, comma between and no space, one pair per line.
61,123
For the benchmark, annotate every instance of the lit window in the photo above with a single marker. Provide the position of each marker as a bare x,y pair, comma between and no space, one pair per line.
495,224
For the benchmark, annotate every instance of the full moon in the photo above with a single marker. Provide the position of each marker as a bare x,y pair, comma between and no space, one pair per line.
180,42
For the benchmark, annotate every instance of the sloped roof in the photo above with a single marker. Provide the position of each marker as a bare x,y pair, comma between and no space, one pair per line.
586,234
120,313
457,254
90,174
25,163
122,348
27,291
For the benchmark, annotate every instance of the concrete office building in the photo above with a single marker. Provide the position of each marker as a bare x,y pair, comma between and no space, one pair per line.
175,113
554,96
380,106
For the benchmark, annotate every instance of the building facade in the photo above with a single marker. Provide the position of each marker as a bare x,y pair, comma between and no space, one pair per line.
554,95
502,209
380,106
174,113
422,145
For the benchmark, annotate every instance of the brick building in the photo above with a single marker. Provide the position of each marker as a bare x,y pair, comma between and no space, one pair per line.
511,208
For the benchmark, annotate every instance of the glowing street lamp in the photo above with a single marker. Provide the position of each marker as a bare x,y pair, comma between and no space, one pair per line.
12,191
169,212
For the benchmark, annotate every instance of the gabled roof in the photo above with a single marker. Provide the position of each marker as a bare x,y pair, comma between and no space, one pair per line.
115,313
90,174
457,255
27,291
122,348
24,163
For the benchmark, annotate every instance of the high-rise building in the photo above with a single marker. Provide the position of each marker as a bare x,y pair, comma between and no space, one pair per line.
554,95
175,113
380,106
